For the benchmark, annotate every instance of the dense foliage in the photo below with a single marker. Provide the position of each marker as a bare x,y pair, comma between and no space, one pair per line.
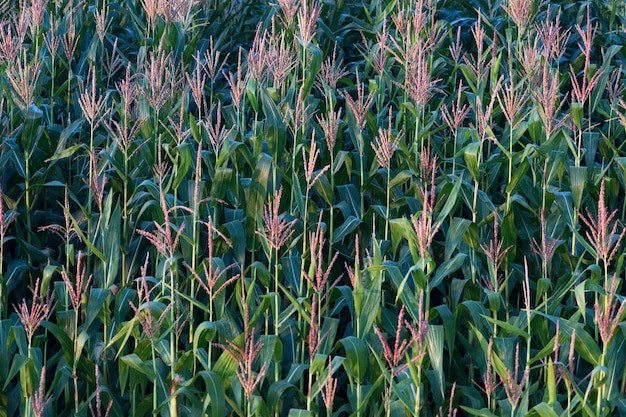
410,207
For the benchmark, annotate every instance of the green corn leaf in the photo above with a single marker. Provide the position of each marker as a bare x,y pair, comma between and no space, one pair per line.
328,332
223,181
257,195
449,324
518,175
123,333
324,188
319,364
205,331
300,413
181,167
494,300
565,202
621,164
357,354
400,178
95,303
448,267
471,159
5,330
454,235
585,345
341,158
403,291
477,312
512,329
276,130
483,412
509,238
543,410
272,349
275,394
576,110
69,131
14,273
251,90
215,398
235,232
296,371
551,383
470,77
350,194
194,128
298,196
297,303
66,153
18,362
31,131
14,156
292,266
590,142
498,363
346,228
83,238
63,338
315,57
434,345
135,362
605,71
322,378
262,309
451,200
577,180
370,308
112,225
81,340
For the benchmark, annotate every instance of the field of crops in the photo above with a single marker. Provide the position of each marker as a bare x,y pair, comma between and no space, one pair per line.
302,208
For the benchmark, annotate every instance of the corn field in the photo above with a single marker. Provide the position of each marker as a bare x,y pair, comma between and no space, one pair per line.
312,208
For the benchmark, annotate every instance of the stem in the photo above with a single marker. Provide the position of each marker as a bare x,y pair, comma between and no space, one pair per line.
27,400
155,149
69,84
574,234
332,210
154,387
173,342
569,400
75,362
276,321
358,399
361,169
600,389
508,194
104,341
3,293
304,220
89,190
454,152
308,394
418,391
387,206
416,140
125,219
28,200
52,92
388,399
474,202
